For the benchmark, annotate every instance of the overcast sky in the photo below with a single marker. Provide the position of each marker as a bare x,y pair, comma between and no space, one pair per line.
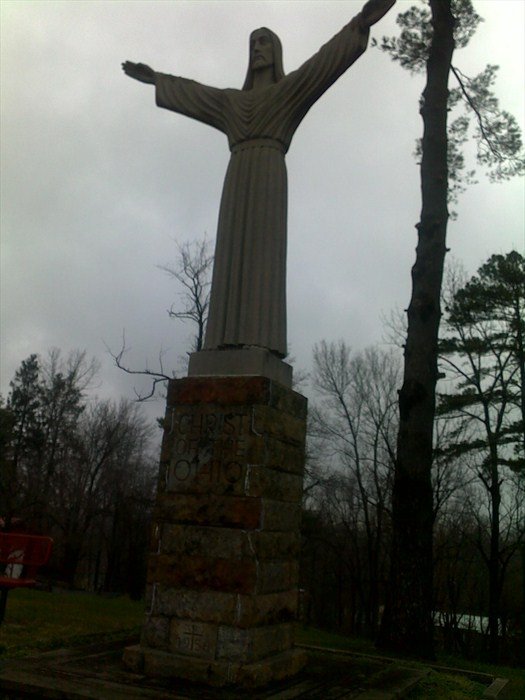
97,182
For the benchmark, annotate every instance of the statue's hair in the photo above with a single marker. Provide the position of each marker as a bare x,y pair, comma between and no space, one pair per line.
278,70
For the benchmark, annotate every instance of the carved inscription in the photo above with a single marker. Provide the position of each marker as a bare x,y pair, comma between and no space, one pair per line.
196,639
191,639
208,450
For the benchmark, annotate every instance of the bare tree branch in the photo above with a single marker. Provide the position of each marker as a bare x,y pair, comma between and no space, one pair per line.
461,77
192,270
157,377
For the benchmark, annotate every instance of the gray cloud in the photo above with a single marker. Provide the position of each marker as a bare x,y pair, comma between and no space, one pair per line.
97,181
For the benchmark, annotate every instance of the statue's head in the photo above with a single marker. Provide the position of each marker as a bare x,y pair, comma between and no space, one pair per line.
265,50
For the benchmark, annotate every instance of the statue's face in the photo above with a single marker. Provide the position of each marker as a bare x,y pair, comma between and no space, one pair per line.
261,50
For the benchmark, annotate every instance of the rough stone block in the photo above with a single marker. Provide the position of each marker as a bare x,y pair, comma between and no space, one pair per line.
156,632
134,658
284,457
266,609
286,401
276,545
226,608
235,478
273,668
202,606
191,638
245,576
225,541
201,573
274,484
276,576
283,517
220,673
200,509
281,426
161,664
216,477
247,645
201,541
219,391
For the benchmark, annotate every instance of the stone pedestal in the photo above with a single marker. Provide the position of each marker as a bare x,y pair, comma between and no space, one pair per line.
223,569
246,361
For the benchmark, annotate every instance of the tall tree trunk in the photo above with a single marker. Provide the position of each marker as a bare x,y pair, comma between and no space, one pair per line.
407,623
70,561
520,352
495,572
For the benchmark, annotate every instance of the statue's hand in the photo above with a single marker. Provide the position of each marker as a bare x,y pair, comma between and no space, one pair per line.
139,71
374,10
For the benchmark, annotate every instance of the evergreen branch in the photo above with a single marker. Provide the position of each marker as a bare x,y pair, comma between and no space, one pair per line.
486,137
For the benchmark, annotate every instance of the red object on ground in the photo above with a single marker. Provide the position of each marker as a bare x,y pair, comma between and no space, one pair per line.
21,556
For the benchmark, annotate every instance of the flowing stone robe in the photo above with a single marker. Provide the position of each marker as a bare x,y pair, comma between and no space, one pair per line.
248,292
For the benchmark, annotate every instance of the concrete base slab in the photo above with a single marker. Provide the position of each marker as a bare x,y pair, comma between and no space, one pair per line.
159,664
252,361
98,672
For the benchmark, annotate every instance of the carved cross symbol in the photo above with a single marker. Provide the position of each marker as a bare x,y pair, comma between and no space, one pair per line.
192,639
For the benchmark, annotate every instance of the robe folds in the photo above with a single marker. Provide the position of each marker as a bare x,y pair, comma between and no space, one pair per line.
248,292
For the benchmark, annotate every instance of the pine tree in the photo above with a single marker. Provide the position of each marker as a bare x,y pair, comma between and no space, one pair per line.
482,351
430,34
24,443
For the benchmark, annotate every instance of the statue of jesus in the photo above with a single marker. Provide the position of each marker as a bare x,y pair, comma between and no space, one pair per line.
248,292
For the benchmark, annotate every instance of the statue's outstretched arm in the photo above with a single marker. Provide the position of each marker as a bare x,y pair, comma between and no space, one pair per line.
373,11
139,71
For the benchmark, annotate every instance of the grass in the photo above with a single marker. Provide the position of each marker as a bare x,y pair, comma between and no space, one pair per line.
320,638
516,676
40,621
444,686
439,685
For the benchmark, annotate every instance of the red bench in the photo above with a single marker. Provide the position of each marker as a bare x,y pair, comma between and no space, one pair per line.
21,556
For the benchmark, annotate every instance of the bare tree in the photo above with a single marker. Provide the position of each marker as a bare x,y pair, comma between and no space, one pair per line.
356,423
74,465
116,475
192,271
107,444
